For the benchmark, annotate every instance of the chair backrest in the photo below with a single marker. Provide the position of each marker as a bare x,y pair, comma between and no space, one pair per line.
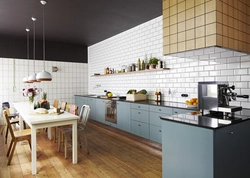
72,108
63,105
7,120
55,104
84,115
5,104
7,111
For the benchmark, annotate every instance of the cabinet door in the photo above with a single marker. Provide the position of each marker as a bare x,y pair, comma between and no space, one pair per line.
92,105
227,152
100,110
140,115
139,128
155,133
123,116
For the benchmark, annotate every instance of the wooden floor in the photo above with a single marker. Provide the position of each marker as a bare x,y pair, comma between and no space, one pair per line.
113,153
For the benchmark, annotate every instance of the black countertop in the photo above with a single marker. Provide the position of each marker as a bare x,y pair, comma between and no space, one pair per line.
151,102
208,122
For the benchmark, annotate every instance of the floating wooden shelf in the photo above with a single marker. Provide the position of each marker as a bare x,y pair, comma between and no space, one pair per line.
146,70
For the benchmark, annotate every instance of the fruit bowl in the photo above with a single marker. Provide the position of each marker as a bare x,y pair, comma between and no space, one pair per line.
193,102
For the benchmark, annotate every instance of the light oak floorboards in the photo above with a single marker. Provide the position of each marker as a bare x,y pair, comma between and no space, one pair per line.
113,153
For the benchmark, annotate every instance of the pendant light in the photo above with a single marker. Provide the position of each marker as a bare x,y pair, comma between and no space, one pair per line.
26,79
44,75
32,78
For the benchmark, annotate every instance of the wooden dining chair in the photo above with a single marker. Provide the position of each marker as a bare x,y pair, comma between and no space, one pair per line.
16,136
67,131
62,107
55,104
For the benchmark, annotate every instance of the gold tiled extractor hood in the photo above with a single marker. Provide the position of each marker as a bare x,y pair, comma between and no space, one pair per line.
194,24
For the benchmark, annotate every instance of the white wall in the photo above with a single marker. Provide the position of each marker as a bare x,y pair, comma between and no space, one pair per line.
70,79
186,69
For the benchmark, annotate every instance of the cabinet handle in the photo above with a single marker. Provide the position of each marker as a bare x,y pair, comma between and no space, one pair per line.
139,125
176,112
139,112
159,130
139,106
159,109
231,133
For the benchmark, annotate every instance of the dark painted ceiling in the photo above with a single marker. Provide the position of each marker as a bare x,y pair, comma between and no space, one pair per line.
80,22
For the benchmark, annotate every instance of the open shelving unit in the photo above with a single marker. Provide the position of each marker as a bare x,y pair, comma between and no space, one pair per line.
140,71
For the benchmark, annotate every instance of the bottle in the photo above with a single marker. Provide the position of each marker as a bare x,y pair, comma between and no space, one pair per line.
139,64
159,95
143,65
156,95
107,71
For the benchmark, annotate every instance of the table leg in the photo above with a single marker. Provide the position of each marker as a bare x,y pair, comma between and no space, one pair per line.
49,133
33,150
74,142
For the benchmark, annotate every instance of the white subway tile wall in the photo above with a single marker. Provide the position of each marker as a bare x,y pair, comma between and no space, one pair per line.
186,68
70,79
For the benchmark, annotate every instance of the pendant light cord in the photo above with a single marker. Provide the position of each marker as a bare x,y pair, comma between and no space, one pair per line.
28,50
34,43
43,40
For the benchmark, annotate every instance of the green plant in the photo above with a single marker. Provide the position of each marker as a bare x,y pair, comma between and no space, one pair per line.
153,60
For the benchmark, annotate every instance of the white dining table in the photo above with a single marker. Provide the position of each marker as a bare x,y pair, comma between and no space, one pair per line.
38,121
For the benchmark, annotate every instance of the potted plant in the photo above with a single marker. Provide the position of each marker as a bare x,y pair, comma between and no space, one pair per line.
153,62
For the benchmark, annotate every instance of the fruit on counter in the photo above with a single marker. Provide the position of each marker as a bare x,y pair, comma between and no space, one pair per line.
110,94
195,112
131,91
192,101
143,91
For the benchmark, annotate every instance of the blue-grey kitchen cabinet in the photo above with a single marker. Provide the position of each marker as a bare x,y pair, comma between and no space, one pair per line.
194,152
92,105
155,122
100,110
123,116
140,120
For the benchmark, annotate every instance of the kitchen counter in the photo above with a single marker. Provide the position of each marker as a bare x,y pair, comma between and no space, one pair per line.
151,102
204,121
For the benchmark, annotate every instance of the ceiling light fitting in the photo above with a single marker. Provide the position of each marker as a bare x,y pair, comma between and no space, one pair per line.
26,79
44,75
32,78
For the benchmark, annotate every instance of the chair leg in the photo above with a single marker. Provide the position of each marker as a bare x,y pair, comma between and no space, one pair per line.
12,152
59,141
6,135
29,143
10,146
66,145
55,131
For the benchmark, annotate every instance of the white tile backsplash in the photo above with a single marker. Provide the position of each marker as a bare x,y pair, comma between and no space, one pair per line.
186,68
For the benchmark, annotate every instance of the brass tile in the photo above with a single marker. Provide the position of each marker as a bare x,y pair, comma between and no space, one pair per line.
165,4
189,4
210,6
200,32
173,39
236,44
166,50
235,13
181,36
181,7
198,2
173,10
173,19
236,34
199,10
190,34
230,32
219,40
211,40
219,28
200,42
219,16
190,24
225,30
165,13
200,21
190,13
225,8
190,45
173,48
210,29
166,40
166,22
230,43
231,22
166,31
172,2
181,26
230,11
210,17
181,16
219,5
173,29
225,41
181,46
225,19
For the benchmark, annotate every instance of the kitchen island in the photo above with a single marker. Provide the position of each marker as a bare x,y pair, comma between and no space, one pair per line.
198,147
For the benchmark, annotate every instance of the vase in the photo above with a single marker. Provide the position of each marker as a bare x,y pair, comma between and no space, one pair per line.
31,106
153,66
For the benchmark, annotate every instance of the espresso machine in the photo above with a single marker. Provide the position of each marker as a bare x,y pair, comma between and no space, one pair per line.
214,98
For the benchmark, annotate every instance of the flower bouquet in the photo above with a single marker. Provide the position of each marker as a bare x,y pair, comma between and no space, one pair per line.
31,93
43,103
